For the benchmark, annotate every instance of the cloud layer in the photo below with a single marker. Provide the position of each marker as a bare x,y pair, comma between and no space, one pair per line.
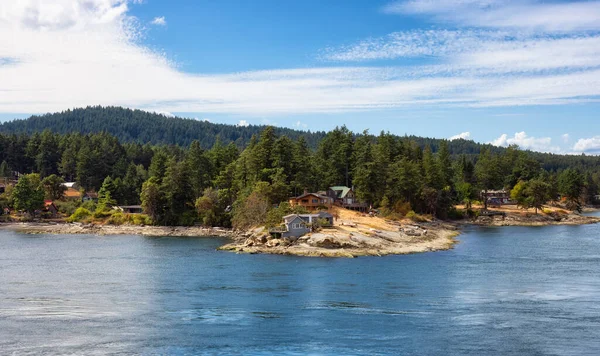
88,52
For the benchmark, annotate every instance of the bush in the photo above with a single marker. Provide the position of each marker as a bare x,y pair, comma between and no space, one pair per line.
415,217
140,219
117,218
402,208
89,205
102,214
66,207
80,214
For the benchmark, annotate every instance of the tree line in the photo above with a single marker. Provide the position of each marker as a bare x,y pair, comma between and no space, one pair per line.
226,185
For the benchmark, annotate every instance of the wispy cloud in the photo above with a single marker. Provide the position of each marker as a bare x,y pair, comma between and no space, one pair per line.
159,21
49,50
522,14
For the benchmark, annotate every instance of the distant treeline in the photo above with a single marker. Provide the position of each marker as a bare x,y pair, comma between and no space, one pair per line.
228,184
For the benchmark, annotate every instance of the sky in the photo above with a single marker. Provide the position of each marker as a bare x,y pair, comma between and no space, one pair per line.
523,72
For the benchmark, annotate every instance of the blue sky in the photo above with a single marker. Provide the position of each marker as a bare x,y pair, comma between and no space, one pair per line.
500,71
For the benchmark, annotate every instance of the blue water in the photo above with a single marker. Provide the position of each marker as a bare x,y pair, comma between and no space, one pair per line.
505,291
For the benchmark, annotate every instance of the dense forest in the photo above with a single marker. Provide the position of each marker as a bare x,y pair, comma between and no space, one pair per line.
227,185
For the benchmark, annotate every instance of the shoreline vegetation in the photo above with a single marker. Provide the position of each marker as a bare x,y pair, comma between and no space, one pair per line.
352,235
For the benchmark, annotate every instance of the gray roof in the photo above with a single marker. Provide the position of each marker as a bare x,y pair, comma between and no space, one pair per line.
289,218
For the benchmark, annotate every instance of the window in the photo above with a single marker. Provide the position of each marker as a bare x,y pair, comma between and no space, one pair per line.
315,201
297,226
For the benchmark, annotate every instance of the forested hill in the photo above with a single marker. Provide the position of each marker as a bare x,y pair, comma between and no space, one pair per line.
139,126
144,127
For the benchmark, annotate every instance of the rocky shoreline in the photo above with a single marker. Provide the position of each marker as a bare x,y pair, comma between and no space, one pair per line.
363,236
93,229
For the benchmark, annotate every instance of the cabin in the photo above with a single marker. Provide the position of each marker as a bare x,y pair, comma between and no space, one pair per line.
496,197
50,209
90,196
295,226
311,201
346,197
131,209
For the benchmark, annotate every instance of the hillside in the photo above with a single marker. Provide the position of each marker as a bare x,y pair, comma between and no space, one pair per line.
145,127
142,127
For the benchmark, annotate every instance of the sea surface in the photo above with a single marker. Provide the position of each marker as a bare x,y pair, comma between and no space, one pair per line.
501,291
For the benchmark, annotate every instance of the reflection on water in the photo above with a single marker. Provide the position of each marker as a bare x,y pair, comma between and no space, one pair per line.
510,291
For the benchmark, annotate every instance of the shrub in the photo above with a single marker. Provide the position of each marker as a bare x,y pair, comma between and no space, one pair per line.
141,219
79,215
402,208
66,207
415,217
89,205
117,218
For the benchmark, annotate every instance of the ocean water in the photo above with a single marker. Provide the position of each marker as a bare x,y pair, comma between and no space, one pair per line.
504,291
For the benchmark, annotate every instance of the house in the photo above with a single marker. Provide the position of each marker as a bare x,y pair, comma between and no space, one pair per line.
131,209
50,208
346,197
496,197
295,226
311,201
90,196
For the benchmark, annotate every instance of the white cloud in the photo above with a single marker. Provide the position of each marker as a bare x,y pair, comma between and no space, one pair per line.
462,135
588,145
521,14
159,21
54,56
501,141
566,138
521,139
243,123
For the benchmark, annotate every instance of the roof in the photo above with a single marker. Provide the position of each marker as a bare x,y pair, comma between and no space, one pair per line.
69,184
48,204
341,191
290,218
92,195
72,193
324,214
313,194
130,206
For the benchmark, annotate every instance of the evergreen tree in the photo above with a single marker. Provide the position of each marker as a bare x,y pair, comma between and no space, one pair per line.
27,194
